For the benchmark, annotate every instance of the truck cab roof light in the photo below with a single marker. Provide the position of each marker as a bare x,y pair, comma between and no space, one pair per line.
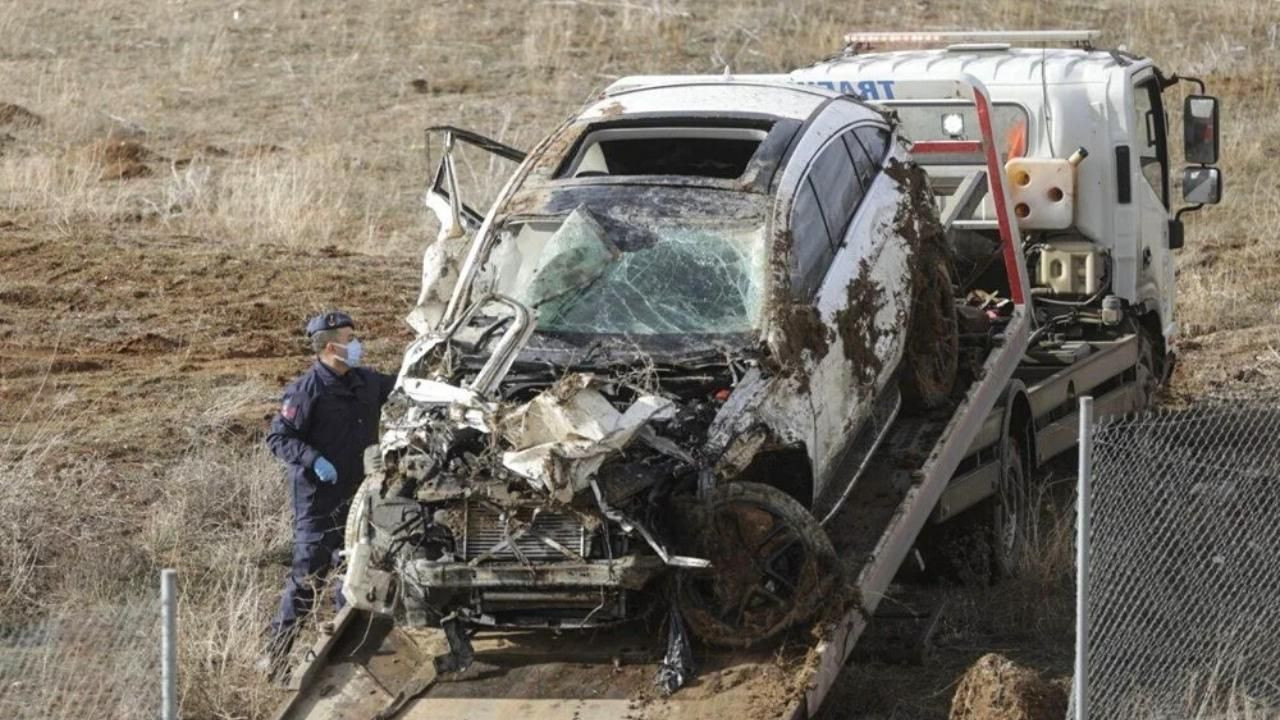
974,40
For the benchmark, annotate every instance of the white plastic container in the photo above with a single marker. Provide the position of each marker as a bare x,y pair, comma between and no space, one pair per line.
1043,192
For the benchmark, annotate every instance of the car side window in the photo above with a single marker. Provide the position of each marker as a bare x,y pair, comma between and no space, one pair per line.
811,245
827,200
838,188
874,143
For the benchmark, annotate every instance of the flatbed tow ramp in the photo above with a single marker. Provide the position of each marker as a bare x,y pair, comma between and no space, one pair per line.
365,668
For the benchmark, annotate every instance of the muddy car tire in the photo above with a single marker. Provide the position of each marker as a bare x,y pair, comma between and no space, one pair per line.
931,356
773,566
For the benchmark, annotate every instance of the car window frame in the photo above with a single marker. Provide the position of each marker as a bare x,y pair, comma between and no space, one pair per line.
809,279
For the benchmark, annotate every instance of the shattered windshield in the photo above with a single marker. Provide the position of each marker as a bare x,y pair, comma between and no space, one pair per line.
619,272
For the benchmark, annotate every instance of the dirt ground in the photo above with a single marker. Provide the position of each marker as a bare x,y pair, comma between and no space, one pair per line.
183,183
152,330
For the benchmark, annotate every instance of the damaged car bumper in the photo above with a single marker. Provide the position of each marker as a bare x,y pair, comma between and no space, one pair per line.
629,573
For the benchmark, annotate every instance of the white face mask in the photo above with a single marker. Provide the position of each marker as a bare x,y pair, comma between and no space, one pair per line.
352,353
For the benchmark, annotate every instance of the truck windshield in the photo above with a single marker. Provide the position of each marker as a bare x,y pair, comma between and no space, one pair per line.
616,271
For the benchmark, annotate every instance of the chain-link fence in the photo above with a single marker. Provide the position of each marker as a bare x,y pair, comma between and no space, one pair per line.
1184,569
101,662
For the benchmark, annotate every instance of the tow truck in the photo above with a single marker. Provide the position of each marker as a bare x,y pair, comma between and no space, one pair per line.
1050,165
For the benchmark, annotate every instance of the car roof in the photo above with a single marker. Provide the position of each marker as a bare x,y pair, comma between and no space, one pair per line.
702,95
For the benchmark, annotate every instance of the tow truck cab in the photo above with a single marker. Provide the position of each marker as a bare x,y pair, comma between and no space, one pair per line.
1100,234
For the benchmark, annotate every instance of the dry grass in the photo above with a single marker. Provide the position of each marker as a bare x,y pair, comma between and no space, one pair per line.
298,123
206,86
1218,697
1033,612
218,518
78,534
223,528
56,550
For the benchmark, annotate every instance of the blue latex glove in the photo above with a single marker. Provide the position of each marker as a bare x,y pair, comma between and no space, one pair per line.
325,471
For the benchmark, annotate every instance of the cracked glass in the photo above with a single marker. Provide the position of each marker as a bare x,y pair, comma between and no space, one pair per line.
619,273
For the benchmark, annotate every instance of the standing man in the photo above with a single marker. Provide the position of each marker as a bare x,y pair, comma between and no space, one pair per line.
328,417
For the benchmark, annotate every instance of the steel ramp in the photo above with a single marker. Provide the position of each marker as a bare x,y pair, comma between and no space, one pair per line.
355,673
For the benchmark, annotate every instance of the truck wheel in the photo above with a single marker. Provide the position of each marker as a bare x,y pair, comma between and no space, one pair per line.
1147,378
772,566
1011,514
933,343
987,542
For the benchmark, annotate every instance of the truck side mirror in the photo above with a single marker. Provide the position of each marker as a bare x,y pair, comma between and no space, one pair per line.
1202,185
1200,129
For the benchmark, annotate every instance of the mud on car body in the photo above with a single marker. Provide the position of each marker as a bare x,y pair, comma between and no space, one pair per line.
647,375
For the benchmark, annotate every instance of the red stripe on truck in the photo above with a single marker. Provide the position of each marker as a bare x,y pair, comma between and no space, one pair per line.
933,147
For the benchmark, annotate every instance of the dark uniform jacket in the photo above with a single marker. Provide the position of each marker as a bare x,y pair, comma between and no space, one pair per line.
328,415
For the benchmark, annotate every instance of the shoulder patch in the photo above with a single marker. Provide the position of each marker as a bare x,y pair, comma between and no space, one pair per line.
288,410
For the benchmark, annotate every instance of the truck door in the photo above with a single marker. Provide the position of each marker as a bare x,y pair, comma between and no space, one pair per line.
1149,137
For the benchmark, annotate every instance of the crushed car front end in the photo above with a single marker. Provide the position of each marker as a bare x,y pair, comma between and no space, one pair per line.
553,512
532,472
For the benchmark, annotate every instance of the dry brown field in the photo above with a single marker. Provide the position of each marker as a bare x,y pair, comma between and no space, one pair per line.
182,182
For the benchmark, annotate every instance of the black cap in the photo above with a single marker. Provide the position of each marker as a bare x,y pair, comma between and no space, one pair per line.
331,320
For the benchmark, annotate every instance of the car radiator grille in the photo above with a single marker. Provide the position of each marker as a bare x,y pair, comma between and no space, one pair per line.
485,530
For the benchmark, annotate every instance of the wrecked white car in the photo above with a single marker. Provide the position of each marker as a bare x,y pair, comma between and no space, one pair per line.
653,370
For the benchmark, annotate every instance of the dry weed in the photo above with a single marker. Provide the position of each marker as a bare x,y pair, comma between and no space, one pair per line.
221,521
75,537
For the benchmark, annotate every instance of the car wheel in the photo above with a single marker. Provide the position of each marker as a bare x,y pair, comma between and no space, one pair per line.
772,566
933,341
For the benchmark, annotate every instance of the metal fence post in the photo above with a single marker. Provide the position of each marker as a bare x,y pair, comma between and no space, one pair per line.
1084,474
169,645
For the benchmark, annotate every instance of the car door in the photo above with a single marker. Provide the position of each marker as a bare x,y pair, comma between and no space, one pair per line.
473,166
838,245
865,294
